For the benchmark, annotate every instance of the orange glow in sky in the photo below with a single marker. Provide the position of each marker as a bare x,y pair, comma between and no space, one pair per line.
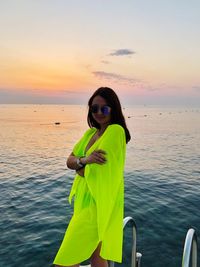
68,50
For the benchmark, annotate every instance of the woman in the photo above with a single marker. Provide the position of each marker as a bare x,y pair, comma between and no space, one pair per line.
95,231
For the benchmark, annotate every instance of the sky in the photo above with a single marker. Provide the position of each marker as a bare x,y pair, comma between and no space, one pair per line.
61,51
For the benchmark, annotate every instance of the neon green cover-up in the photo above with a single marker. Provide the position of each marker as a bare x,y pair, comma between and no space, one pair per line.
98,201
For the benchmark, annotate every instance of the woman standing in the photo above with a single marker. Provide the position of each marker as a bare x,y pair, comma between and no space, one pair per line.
95,231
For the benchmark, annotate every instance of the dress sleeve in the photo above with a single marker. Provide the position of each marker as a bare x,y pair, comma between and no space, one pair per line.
104,181
79,147
79,151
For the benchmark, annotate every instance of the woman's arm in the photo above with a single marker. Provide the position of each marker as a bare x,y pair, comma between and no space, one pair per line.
97,156
72,162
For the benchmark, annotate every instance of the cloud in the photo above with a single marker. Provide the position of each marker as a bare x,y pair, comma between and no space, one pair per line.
122,52
105,62
133,83
115,77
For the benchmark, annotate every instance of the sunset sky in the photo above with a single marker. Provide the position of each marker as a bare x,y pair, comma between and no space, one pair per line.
61,51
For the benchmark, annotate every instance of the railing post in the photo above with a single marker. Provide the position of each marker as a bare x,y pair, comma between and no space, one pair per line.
134,261
190,249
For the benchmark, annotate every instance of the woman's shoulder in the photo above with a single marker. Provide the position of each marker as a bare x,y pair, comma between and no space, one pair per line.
114,135
115,128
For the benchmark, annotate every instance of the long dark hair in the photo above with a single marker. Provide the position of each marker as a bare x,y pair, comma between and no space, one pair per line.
112,100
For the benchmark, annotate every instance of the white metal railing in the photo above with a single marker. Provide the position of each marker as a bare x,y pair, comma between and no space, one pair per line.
190,249
136,256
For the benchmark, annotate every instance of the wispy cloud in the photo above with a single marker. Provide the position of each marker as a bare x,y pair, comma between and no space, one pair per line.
115,77
105,62
122,52
134,83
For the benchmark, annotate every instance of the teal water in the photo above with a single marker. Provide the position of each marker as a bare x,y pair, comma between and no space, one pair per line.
162,181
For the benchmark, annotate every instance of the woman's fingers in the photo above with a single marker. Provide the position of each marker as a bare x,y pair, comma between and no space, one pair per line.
101,151
99,156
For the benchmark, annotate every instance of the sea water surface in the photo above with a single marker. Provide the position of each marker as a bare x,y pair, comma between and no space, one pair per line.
162,181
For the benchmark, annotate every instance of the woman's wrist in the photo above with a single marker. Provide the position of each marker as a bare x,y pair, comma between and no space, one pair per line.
79,163
83,160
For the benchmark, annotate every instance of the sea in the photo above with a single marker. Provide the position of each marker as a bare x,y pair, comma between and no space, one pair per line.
162,181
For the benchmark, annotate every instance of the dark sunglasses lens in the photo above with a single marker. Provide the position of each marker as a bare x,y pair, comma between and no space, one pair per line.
94,108
105,110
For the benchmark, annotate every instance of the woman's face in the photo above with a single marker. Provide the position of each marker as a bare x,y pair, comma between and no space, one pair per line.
102,112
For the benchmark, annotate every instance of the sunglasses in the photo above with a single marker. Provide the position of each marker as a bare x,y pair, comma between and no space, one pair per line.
105,110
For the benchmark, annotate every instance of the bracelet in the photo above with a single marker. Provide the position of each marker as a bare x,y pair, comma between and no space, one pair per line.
78,162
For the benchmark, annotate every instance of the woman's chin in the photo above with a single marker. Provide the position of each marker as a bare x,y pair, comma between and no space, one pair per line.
101,121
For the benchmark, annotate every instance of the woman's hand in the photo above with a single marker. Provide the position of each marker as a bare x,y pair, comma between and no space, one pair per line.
81,172
97,156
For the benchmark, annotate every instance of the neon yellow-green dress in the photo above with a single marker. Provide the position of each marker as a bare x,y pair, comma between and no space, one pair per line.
98,201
